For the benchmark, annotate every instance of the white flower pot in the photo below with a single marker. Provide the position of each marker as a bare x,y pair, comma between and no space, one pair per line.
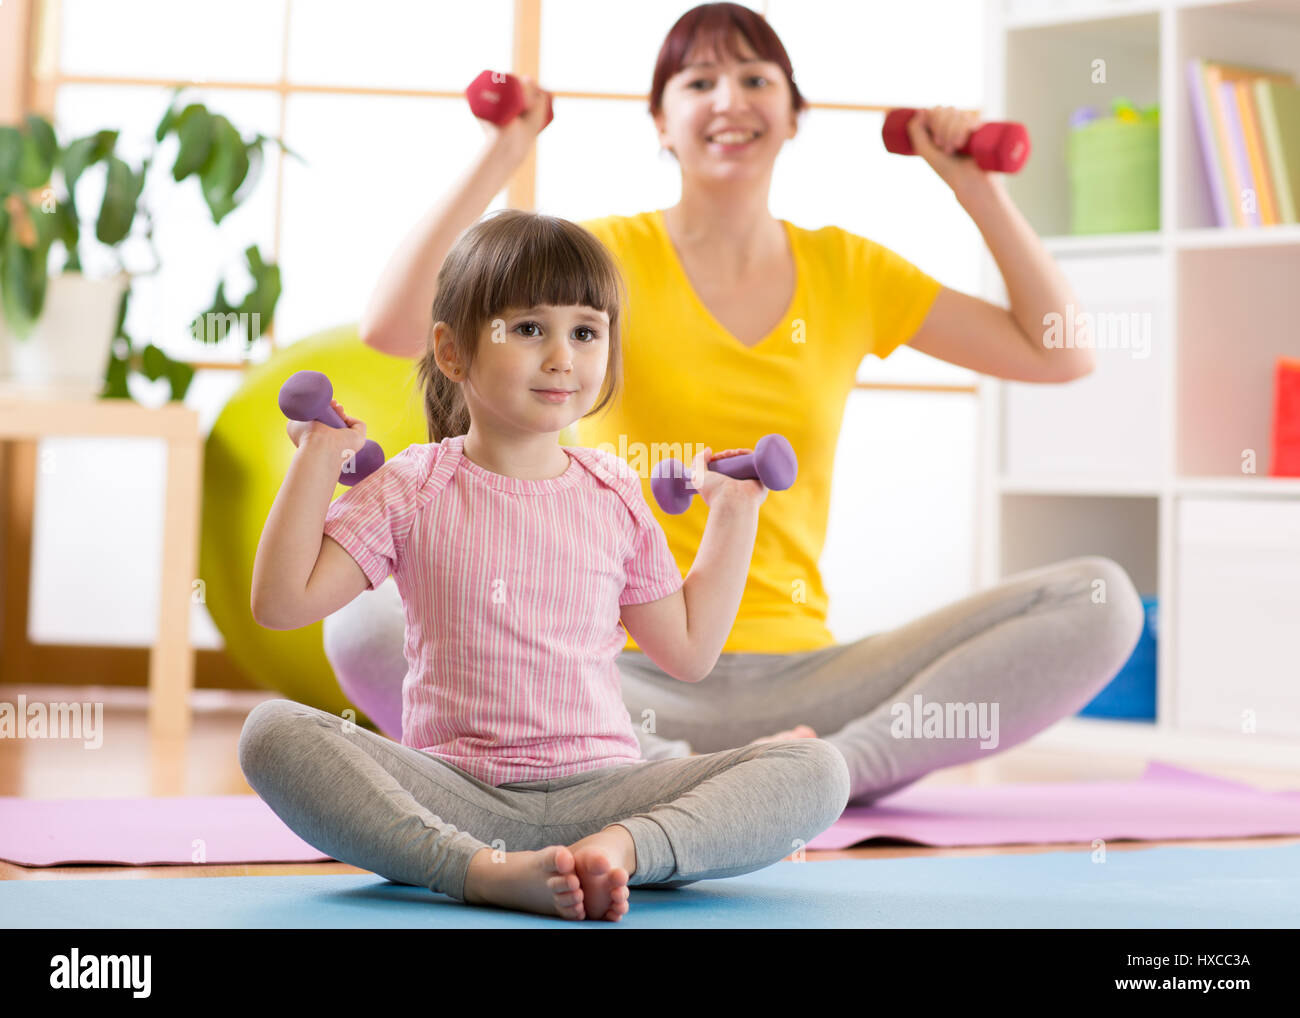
69,346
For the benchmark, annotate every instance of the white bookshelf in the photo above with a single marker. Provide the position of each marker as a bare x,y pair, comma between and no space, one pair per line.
1141,461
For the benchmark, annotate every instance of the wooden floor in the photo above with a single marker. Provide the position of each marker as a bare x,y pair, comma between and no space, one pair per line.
56,769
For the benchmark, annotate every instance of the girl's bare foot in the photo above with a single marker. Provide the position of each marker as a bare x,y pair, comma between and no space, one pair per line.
604,862
797,732
544,881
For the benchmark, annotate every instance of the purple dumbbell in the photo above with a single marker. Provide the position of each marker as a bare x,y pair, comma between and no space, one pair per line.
306,396
772,463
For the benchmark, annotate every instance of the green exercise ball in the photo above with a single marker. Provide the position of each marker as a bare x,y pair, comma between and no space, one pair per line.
245,461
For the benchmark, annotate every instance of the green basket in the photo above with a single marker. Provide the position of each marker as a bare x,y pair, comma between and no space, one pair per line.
1114,168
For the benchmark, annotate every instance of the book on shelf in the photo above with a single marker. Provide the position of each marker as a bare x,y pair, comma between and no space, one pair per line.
1254,142
1248,127
1286,419
1246,209
1209,147
1278,106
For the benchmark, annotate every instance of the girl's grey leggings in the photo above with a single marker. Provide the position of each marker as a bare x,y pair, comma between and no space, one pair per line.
963,682
412,818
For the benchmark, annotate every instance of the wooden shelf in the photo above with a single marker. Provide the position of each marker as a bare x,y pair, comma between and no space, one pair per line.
1076,485
1106,243
1236,237
1264,487
1024,15
1081,14
1137,460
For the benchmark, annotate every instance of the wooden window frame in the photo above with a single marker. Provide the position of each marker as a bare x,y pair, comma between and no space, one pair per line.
29,46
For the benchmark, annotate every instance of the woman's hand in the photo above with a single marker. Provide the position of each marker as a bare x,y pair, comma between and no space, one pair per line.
711,484
345,440
936,134
520,132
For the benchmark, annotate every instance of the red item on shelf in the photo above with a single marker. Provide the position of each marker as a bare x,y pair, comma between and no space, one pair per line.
1286,419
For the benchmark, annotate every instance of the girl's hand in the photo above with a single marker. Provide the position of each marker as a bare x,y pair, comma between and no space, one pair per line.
936,134
523,129
346,440
711,484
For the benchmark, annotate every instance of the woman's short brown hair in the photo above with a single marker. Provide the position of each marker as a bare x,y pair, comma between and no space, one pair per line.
716,27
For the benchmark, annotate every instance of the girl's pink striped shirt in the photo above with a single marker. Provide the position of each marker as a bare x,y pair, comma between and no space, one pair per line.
511,590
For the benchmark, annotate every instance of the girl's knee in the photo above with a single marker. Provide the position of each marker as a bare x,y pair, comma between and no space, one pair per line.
828,772
264,729
833,771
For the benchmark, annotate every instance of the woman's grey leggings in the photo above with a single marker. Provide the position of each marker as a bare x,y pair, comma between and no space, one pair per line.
412,818
1021,655
1036,648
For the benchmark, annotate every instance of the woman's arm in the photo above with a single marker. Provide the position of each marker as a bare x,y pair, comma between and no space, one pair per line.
397,318
975,333
396,321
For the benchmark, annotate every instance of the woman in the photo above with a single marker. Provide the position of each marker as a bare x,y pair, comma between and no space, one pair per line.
740,324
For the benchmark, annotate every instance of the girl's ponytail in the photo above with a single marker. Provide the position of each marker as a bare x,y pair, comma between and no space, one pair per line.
444,404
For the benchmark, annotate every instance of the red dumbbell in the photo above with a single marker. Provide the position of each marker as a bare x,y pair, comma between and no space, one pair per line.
499,97
1002,146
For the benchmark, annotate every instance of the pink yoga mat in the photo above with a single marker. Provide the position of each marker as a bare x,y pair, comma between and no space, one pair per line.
1165,803
182,830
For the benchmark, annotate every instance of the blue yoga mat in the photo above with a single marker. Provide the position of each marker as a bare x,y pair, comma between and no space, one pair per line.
1146,888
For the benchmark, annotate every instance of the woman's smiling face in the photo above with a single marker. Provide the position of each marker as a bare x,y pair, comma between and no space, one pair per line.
726,117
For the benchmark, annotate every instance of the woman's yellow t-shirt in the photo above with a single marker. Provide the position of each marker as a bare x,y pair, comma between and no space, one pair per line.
689,384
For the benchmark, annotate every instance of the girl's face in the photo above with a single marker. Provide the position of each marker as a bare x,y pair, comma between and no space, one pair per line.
525,352
715,95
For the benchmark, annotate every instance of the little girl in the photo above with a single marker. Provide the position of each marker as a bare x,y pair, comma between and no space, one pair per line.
519,781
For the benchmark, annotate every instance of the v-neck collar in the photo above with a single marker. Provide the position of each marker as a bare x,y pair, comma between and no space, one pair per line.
781,327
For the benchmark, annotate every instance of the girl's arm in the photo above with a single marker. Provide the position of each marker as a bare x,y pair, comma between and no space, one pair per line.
713,588
396,320
299,576
684,632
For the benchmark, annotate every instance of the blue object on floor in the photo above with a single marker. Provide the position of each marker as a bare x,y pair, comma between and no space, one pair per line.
1158,888
1131,694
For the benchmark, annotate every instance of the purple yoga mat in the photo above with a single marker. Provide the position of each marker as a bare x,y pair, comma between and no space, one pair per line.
147,832
1165,803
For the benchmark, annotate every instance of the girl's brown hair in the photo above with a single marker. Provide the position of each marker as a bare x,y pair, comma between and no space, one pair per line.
716,28
514,259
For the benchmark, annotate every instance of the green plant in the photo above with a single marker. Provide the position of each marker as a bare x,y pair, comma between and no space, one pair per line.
33,219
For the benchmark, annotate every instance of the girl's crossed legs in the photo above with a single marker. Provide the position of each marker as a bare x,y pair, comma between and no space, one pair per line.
365,800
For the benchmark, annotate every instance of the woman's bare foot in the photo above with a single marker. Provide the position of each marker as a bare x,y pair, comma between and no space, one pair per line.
604,862
797,732
543,881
